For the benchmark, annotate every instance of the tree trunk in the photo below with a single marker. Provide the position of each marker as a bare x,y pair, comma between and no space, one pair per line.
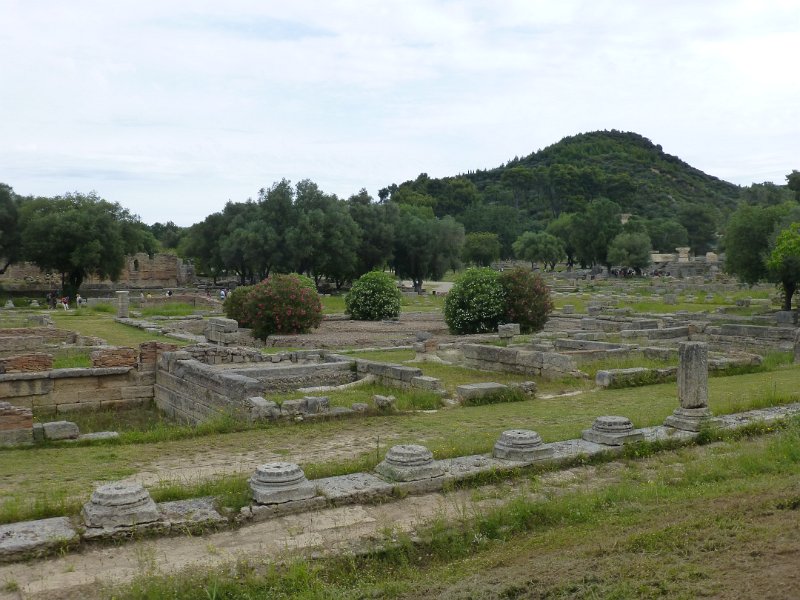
789,288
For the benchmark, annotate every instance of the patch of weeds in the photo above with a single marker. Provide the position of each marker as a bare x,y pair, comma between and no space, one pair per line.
10,585
499,397
72,360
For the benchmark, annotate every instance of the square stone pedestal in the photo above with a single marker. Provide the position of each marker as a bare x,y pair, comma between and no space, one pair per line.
690,419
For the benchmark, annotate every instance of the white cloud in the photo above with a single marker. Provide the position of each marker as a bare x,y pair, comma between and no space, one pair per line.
172,108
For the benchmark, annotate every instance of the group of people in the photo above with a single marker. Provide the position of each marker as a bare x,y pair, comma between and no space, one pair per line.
55,299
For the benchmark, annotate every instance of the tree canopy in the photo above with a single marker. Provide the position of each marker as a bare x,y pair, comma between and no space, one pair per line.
79,235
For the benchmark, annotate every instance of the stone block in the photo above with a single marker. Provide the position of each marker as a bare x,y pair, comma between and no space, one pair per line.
693,375
508,330
279,482
425,382
359,407
120,504
33,538
690,419
384,403
261,408
612,431
317,404
521,445
409,462
471,391
60,430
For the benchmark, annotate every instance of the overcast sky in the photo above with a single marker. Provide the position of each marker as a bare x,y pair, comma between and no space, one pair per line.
173,108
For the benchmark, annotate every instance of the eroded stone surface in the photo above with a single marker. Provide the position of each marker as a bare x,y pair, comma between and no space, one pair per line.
409,462
521,445
33,537
278,482
60,430
612,431
693,375
120,504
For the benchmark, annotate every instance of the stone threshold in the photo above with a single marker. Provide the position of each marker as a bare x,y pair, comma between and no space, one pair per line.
33,539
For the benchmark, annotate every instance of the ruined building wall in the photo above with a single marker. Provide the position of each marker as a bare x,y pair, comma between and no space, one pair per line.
140,272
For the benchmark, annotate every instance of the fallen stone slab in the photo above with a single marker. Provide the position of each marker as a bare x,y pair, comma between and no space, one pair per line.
356,487
472,391
33,538
60,430
191,514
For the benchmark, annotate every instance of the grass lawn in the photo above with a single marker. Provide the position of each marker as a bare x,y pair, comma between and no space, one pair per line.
28,488
102,325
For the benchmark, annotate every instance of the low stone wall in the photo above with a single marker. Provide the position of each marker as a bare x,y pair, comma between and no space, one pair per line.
291,376
751,337
192,392
121,378
549,365
399,376
65,390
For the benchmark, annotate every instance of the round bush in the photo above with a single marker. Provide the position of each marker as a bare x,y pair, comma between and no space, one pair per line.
476,303
374,296
527,299
235,305
283,304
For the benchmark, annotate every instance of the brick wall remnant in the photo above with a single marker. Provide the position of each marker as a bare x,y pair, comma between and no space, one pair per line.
26,363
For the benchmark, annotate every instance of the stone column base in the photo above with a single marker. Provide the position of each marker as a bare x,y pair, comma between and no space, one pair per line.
689,419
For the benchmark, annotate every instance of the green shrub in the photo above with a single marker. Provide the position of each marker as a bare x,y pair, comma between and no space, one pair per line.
476,303
235,305
528,299
373,297
283,304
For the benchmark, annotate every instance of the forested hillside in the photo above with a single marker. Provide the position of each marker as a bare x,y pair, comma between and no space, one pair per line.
622,166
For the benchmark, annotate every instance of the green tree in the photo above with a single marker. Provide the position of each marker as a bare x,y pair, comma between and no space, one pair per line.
746,241
540,247
202,244
784,262
377,224
593,231
9,227
425,246
630,250
562,228
506,221
667,234
481,248
700,222
169,235
793,183
520,180
79,235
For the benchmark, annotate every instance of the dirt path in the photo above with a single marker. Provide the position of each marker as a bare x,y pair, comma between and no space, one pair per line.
79,576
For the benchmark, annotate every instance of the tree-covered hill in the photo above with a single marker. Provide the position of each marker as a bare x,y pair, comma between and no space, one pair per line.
675,203
623,166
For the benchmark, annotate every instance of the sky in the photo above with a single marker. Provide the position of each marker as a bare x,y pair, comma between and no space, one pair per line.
173,108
